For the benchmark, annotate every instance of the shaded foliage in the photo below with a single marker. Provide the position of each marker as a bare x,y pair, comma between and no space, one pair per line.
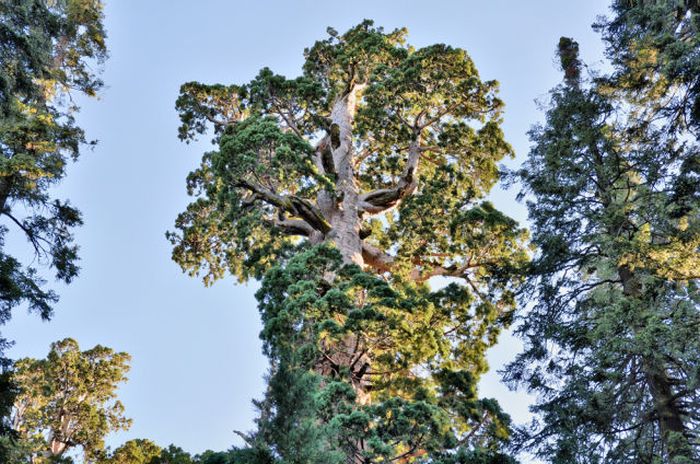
424,404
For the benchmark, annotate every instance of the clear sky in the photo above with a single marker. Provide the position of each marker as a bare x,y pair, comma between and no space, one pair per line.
196,355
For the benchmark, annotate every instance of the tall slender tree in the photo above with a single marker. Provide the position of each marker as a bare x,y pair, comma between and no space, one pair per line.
349,188
613,340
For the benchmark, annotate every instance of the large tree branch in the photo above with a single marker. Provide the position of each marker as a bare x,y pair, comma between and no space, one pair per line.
290,204
287,117
426,270
438,116
32,236
376,258
380,200
293,226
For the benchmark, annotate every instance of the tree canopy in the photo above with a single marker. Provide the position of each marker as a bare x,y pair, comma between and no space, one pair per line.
356,194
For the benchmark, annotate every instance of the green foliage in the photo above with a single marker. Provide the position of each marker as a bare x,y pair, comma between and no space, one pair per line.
612,346
136,451
423,385
48,50
142,451
346,190
234,456
654,46
173,455
265,165
69,400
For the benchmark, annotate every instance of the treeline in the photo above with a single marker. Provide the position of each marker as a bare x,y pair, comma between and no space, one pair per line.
346,191
146,452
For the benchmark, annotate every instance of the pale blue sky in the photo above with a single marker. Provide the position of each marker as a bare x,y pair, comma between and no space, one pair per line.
196,354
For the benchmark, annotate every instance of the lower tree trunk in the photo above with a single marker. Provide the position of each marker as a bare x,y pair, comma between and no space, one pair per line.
342,211
350,355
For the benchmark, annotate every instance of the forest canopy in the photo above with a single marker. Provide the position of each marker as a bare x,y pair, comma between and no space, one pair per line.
357,197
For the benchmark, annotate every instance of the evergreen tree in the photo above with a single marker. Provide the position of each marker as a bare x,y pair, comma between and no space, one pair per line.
346,190
47,53
68,400
232,456
48,50
138,451
612,340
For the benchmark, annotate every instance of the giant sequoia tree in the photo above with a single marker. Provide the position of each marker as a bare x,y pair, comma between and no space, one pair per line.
48,50
613,340
348,188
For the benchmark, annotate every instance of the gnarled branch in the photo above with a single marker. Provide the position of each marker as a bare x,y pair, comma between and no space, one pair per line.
290,204
293,227
381,200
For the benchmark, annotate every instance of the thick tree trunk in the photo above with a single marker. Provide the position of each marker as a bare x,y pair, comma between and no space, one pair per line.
344,216
670,417
668,413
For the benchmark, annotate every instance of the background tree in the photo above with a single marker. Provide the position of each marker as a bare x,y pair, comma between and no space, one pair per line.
349,188
232,456
174,455
612,342
48,50
138,451
142,451
68,400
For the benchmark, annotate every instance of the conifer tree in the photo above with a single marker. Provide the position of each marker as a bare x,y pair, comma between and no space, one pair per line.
48,53
346,190
613,339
